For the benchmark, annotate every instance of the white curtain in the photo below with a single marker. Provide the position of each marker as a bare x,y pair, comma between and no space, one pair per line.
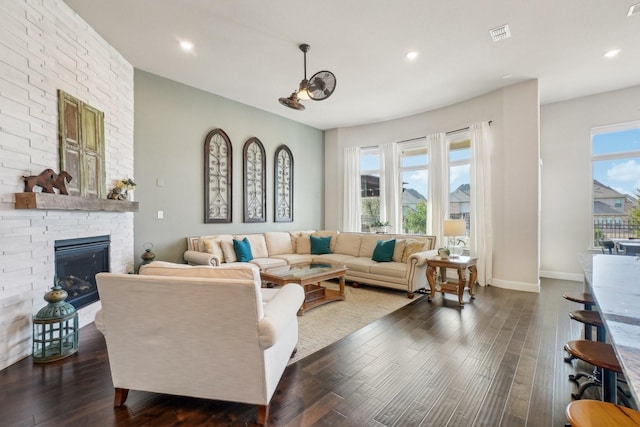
389,187
351,202
481,241
438,184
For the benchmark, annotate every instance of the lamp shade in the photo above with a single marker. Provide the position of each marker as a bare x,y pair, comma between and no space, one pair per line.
454,227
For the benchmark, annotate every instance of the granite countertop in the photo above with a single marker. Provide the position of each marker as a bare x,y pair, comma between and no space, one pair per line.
615,283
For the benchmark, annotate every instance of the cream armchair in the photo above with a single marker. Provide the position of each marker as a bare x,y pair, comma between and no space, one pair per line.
215,336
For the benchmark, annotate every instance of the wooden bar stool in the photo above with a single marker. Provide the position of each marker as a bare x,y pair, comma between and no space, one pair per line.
581,298
600,355
594,413
589,318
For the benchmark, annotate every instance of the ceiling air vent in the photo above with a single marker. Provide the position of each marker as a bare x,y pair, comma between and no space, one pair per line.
633,10
500,33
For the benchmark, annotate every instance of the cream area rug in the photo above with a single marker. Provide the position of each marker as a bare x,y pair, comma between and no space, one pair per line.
328,323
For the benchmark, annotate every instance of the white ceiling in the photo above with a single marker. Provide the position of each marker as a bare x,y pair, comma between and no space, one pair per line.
247,50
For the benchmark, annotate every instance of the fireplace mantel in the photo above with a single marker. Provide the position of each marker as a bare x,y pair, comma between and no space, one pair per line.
71,203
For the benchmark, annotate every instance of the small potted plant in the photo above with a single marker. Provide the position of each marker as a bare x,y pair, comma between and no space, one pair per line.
121,190
379,226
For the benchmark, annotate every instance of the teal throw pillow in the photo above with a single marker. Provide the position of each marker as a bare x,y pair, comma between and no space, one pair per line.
243,250
384,250
320,245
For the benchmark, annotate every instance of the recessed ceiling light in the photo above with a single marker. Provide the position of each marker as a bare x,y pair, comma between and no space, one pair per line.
507,76
186,45
500,33
612,53
634,9
411,55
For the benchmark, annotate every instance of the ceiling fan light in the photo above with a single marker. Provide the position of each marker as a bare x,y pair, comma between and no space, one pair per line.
292,102
303,92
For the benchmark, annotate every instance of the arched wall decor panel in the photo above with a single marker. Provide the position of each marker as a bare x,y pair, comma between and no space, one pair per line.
255,181
283,185
217,177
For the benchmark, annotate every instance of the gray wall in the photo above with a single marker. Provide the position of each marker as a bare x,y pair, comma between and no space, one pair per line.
171,123
566,175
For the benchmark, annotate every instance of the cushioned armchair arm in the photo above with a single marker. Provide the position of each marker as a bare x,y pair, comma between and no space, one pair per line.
201,258
279,311
422,257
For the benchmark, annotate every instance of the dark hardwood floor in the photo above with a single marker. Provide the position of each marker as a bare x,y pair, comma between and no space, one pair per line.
497,362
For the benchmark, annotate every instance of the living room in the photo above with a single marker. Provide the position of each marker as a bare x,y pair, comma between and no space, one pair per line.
541,164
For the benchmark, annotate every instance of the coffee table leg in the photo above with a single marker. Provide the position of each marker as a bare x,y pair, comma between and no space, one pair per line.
342,287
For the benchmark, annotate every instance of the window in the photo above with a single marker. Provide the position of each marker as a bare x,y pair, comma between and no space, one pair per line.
615,156
369,187
413,171
460,179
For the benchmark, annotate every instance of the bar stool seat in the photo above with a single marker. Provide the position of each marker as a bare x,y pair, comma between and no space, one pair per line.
581,298
600,355
594,413
590,318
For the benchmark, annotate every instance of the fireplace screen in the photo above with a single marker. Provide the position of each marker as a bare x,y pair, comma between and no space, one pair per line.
77,263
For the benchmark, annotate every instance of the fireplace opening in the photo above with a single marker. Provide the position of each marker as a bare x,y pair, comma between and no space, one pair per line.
77,263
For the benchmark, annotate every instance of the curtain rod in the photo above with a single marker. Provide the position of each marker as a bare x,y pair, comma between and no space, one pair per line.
463,129
422,137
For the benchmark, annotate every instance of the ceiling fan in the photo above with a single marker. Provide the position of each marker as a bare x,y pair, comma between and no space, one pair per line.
319,87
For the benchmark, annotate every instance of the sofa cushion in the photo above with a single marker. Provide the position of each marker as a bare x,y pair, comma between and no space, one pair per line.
294,258
320,245
390,269
243,250
257,242
303,245
163,268
384,250
360,264
368,244
264,263
348,244
412,246
278,243
331,258
212,246
399,250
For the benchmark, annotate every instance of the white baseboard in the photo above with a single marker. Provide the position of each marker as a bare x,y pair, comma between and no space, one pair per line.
516,286
560,275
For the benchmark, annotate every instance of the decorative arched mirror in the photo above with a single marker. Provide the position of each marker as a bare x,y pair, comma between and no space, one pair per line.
217,177
283,185
255,181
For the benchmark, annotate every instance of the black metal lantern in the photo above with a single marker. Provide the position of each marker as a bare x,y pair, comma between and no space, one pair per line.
55,328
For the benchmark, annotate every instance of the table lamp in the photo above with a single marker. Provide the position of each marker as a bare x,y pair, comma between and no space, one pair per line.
452,229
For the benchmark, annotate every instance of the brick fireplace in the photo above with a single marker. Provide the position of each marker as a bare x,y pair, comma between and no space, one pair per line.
49,47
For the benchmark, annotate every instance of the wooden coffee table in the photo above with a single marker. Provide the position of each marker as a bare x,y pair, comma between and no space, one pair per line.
309,277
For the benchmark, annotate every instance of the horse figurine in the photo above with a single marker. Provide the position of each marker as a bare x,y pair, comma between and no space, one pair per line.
61,182
47,180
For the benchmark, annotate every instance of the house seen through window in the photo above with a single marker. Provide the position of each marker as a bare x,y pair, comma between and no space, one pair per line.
616,182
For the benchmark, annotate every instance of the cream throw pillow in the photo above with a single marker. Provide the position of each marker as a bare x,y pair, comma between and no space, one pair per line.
303,245
212,246
399,250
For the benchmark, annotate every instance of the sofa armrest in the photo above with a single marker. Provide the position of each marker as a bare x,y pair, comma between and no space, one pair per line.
201,258
279,311
421,257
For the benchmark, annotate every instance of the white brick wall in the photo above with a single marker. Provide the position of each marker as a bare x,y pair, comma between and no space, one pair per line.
45,46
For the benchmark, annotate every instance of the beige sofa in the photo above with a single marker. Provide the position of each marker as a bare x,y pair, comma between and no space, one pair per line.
207,332
407,270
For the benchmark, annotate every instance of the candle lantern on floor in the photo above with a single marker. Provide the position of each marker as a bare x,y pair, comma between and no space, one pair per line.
147,256
55,328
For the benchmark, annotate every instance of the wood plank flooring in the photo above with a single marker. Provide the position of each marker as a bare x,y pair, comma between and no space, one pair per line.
497,362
